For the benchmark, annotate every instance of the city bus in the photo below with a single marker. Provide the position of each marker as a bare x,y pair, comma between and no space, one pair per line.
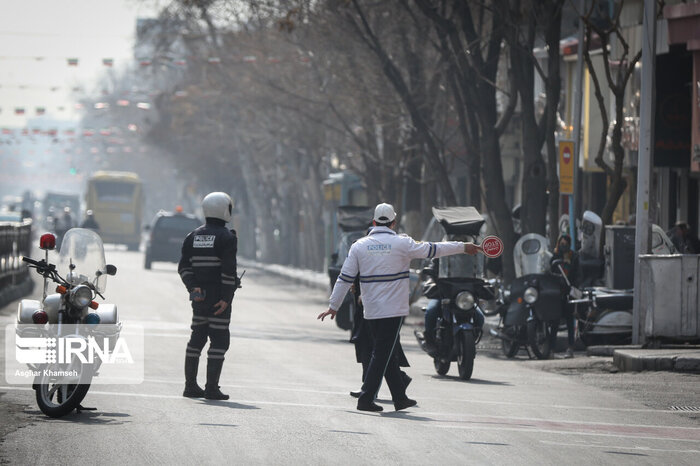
116,200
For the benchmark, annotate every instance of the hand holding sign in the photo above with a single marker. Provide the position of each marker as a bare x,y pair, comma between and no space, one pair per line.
492,246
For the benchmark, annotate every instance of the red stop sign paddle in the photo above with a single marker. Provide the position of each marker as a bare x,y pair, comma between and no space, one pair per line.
492,246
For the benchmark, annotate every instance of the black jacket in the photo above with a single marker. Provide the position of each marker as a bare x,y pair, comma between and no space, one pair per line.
209,260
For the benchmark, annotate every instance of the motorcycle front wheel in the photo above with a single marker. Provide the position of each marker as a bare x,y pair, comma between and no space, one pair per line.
56,399
467,353
441,366
539,338
511,346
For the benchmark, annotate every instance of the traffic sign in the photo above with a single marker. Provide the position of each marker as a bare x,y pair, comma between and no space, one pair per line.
492,246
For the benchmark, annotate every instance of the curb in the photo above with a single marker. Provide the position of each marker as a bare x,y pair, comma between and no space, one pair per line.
657,360
309,278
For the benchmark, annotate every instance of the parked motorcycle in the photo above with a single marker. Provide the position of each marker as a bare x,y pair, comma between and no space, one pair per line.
459,287
536,300
69,313
604,315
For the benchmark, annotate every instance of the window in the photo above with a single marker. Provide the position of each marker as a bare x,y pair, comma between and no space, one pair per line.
111,191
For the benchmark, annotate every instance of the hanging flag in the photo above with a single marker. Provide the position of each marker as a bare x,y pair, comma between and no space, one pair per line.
101,105
25,131
181,94
52,132
108,61
133,127
179,62
6,131
273,60
143,105
36,130
19,111
69,132
250,59
40,110
214,60
72,62
105,132
145,62
88,132
123,103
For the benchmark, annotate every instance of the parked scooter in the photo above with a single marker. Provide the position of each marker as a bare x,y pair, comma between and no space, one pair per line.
459,287
70,313
536,301
604,315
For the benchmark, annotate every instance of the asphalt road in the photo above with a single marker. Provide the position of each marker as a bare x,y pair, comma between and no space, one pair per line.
289,376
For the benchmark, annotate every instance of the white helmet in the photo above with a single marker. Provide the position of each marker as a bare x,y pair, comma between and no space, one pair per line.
218,205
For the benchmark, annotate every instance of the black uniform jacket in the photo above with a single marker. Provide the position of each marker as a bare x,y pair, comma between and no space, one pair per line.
209,260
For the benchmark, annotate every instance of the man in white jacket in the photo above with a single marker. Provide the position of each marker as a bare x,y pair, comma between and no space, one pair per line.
381,259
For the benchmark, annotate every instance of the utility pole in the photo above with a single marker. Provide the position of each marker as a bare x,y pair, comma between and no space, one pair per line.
646,155
574,199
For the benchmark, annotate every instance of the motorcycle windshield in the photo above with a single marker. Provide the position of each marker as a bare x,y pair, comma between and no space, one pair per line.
84,250
461,266
531,255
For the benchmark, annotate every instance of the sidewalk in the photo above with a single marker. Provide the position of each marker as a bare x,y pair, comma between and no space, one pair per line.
675,359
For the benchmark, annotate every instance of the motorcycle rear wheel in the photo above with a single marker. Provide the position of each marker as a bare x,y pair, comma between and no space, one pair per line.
467,353
441,367
539,338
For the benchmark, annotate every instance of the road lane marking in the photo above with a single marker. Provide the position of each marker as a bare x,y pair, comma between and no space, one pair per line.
640,449
568,432
505,423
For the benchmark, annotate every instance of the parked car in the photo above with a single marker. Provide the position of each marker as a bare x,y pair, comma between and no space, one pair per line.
166,234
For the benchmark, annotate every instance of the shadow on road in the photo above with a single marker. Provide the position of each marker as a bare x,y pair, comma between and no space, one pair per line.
454,378
227,404
85,417
217,425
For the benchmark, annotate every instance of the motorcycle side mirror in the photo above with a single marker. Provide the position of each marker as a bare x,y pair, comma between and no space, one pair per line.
47,242
110,269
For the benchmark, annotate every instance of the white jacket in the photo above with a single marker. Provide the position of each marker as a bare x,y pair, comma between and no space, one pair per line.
382,261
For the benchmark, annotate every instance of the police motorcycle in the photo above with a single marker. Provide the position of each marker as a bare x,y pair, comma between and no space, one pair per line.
459,286
353,222
531,319
70,313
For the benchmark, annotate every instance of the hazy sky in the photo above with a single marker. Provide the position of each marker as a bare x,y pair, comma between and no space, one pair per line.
55,30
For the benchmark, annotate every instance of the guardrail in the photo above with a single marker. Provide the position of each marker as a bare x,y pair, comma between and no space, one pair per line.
15,242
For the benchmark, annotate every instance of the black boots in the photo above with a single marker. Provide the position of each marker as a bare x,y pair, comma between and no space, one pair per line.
212,391
192,390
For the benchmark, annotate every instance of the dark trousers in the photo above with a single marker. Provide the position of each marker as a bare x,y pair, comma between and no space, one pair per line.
383,364
205,325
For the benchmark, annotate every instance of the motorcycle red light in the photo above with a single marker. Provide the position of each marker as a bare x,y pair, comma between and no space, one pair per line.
47,242
61,289
94,305
40,317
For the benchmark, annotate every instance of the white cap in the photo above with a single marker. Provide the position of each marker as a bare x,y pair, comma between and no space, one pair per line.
384,213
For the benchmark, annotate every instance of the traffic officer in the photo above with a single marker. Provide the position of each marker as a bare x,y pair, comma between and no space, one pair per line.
381,260
208,270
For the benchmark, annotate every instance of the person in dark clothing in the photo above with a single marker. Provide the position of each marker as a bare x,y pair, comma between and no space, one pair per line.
570,266
90,223
208,270
683,240
361,337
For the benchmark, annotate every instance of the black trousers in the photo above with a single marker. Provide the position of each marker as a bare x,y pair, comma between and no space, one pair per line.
383,364
205,325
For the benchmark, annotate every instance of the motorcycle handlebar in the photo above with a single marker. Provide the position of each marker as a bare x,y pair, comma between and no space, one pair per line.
30,261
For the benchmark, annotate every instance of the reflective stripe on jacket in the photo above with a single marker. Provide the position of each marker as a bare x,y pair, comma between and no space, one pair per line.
382,261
